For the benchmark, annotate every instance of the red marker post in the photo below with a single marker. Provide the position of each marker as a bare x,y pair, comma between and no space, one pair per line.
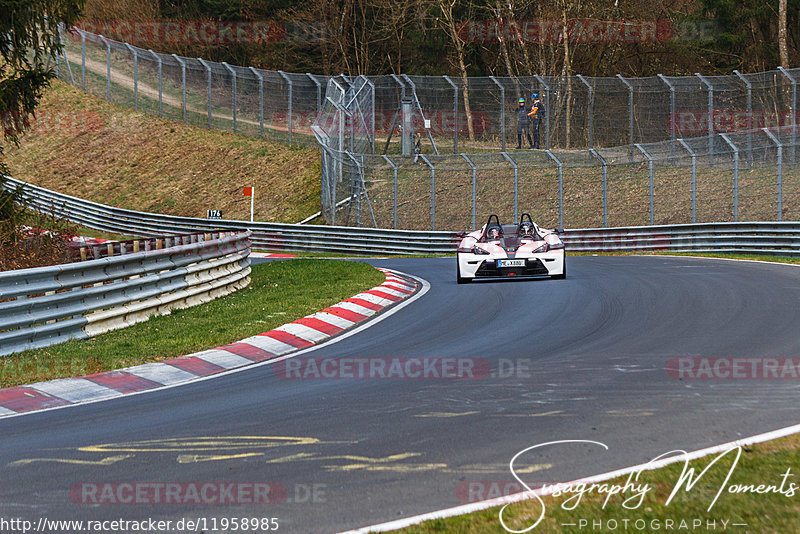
250,192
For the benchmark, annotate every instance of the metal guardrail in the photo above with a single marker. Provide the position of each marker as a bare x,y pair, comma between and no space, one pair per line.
48,305
753,237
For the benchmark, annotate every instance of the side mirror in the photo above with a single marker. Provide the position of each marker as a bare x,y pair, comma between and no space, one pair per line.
558,230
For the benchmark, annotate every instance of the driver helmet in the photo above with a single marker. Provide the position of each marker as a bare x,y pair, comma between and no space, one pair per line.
494,232
526,229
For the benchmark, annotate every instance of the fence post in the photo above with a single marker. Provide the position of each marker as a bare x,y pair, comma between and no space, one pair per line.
208,74
394,190
516,184
433,190
604,163
710,117
502,113
749,116
779,146
560,187
233,90
779,169
425,123
474,189
546,111
108,67
590,112
182,63
132,50
629,85
289,111
57,55
83,59
260,100
673,120
694,178
361,187
650,184
455,113
160,80
319,90
735,177
793,115
63,53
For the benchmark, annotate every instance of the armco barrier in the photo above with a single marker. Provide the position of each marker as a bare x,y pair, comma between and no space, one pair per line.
48,305
754,237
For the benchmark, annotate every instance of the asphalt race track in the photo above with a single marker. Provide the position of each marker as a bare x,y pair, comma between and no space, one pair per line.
583,358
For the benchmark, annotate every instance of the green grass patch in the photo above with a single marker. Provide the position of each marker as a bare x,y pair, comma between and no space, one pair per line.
740,501
279,292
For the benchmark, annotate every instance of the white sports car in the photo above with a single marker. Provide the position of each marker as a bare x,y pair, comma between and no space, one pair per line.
512,250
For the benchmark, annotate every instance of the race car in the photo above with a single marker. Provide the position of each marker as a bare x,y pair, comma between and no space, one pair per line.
512,250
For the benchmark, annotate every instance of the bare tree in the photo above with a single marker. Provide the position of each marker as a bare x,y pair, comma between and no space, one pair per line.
783,33
448,23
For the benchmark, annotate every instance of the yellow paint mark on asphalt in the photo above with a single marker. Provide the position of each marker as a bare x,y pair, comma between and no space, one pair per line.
402,468
197,458
636,412
105,461
445,414
202,444
499,468
365,463
292,458
554,413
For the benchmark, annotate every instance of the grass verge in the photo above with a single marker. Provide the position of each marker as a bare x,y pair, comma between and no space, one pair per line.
771,508
83,146
280,292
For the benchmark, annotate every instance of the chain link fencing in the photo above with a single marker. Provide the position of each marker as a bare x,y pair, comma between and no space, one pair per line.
616,151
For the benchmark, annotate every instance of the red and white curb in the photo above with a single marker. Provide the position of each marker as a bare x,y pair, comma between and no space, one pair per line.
300,334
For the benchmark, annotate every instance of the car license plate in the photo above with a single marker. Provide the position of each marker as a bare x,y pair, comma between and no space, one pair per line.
511,263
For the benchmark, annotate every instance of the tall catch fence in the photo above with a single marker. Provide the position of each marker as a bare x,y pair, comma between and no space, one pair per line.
581,111
615,150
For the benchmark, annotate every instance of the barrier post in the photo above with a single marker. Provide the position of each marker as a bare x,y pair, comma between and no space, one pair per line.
182,63
208,74
474,189
604,163
779,169
233,91
590,112
560,187
735,177
694,178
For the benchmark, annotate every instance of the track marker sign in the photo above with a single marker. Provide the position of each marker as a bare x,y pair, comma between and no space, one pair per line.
250,192
214,214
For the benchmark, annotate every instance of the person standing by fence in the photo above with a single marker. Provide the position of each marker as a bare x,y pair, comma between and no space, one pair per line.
523,123
536,114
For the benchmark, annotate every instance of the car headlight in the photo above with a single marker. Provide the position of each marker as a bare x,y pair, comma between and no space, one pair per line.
477,250
556,246
542,248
